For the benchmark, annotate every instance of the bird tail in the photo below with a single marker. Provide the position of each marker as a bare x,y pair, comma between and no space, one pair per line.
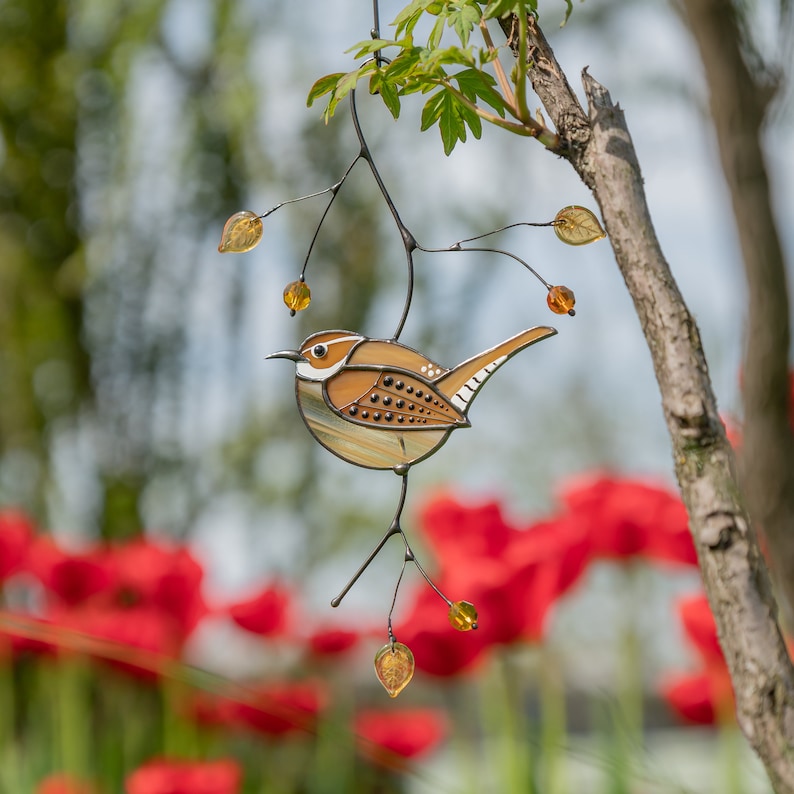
462,383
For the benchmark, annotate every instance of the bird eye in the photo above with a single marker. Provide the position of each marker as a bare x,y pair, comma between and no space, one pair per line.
319,351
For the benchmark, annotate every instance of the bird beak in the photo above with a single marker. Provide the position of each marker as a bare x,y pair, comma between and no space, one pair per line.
292,355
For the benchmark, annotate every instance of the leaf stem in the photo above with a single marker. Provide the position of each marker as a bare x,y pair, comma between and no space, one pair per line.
529,128
521,71
501,77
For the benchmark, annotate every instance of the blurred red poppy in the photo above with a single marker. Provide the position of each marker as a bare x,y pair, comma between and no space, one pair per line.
733,431
546,561
62,783
700,627
166,578
332,642
437,648
267,613
626,518
409,733
72,578
16,534
164,776
473,531
704,697
513,581
273,709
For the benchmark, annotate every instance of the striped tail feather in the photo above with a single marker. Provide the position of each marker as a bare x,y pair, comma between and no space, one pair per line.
462,383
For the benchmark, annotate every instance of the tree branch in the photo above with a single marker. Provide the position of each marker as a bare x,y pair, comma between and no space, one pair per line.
600,149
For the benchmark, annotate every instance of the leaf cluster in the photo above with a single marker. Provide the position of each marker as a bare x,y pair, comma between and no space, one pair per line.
462,91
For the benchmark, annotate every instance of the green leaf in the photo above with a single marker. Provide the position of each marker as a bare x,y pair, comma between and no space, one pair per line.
501,8
406,20
475,84
432,110
388,93
434,39
403,64
450,124
345,84
323,86
444,107
568,11
368,46
462,20
472,119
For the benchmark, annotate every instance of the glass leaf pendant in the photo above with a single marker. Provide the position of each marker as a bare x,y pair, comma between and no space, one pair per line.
577,226
394,666
241,233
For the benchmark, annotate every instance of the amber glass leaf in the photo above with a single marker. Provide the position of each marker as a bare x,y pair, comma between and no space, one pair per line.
463,616
577,226
297,296
394,666
561,300
241,233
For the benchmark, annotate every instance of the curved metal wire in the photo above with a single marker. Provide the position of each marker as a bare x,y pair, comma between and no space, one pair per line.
394,529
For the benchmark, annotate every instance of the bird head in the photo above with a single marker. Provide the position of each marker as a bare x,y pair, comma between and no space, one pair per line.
322,354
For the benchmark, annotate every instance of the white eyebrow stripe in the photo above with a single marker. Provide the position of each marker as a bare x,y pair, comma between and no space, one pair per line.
345,339
349,338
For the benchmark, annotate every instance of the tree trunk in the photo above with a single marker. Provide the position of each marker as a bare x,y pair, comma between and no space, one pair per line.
599,147
739,102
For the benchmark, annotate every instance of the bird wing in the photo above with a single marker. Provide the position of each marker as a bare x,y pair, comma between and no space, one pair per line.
390,398
379,353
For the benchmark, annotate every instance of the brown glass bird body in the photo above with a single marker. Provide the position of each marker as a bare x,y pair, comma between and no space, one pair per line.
382,405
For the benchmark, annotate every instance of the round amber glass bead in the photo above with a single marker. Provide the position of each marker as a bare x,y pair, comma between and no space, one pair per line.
297,296
561,300
463,616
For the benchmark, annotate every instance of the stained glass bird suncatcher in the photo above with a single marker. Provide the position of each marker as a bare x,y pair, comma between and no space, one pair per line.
382,405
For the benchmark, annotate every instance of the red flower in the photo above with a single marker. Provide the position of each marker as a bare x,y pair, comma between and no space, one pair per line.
138,637
72,578
332,642
186,777
546,560
706,696
409,733
513,581
703,698
454,530
437,648
16,533
700,628
273,709
626,518
266,614
61,783
733,431
165,578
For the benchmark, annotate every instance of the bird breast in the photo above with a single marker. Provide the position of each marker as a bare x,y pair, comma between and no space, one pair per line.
380,445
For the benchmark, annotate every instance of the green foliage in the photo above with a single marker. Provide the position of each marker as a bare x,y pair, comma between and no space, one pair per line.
458,77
